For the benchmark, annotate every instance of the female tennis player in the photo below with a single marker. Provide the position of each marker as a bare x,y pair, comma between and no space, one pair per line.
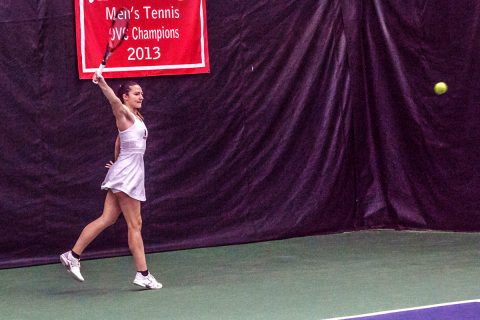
124,183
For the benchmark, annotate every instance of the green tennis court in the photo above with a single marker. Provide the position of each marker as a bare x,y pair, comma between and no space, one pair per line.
303,278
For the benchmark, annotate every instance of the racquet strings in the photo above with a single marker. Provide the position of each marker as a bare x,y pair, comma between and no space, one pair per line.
119,28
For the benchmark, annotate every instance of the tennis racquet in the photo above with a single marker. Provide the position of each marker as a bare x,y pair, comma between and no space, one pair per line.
117,33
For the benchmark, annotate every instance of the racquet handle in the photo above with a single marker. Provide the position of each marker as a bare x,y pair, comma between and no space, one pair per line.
99,72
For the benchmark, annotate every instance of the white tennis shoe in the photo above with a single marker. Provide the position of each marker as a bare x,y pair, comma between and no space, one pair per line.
148,282
72,264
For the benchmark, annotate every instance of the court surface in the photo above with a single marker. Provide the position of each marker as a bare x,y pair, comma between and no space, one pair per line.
319,277
465,310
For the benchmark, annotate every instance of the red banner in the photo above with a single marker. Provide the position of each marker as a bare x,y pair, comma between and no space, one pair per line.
164,37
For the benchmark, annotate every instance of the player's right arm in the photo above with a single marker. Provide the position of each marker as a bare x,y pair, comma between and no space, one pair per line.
119,110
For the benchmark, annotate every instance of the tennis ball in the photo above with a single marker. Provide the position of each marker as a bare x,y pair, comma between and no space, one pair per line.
440,88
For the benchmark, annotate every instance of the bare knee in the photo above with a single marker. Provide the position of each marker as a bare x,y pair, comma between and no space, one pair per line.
107,221
135,224
134,234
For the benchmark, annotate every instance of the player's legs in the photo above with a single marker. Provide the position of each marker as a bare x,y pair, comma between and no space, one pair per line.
111,212
131,211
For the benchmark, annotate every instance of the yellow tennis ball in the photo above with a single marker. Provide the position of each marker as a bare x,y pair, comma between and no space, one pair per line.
440,88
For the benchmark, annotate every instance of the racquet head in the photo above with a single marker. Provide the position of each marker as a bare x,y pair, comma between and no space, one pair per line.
119,28
117,33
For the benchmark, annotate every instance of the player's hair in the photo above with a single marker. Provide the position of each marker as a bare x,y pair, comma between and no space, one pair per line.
125,89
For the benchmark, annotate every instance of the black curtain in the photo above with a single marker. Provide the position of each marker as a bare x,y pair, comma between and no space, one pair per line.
317,117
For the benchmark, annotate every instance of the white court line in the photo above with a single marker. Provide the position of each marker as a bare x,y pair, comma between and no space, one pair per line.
407,309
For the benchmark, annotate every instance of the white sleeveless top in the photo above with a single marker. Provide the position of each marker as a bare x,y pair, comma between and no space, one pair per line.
127,174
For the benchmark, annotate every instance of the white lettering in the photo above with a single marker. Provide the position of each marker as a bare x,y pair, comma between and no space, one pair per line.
110,14
171,13
154,34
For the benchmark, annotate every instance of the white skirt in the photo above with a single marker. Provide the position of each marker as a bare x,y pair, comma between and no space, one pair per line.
127,175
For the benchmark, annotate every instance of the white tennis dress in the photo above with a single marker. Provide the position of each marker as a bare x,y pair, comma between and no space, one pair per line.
127,174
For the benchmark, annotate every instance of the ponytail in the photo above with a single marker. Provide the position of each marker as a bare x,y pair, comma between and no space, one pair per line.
124,88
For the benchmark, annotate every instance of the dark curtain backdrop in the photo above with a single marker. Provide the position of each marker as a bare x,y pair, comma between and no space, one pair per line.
317,117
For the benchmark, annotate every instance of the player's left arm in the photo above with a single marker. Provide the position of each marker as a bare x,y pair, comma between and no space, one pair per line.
117,148
109,164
